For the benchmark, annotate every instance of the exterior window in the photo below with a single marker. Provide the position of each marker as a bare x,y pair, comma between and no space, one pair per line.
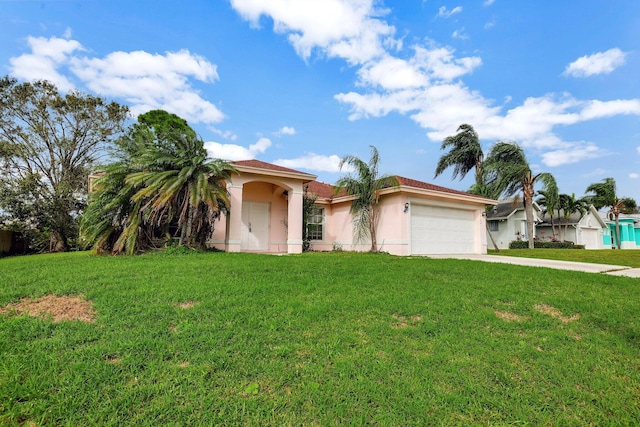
315,226
493,225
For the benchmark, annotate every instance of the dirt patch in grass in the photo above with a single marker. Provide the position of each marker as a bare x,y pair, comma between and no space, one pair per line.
58,308
555,313
509,317
405,321
187,304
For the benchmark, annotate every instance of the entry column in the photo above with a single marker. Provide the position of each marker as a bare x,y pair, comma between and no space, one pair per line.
234,219
294,228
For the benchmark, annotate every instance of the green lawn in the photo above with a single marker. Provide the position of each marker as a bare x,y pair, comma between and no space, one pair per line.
628,257
318,339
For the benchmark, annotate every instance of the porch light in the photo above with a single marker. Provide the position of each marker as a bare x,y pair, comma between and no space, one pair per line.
406,207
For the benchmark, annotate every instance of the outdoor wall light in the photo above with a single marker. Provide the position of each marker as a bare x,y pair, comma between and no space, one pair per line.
406,207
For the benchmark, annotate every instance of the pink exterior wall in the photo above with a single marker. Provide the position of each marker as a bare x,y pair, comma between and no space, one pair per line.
285,213
393,230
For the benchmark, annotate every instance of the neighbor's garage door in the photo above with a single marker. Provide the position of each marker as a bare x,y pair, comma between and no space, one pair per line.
590,238
439,230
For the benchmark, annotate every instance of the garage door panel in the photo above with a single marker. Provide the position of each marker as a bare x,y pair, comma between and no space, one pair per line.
439,230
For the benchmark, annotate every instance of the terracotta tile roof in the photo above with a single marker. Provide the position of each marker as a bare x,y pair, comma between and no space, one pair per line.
264,165
426,186
323,190
327,191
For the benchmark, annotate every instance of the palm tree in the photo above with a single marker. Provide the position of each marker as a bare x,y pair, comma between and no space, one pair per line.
110,212
509,172
186,187
162,178
365,186
488,192
570,205
464,155
550,199
605,196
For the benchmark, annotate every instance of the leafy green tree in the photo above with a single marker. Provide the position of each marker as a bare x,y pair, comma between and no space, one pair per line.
509,172
48,143
365,185
604,195
465,153
162,179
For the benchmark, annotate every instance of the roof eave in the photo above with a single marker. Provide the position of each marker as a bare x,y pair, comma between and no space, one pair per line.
305,177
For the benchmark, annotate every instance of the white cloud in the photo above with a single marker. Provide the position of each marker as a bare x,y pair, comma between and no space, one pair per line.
286,130
349,29
444,13
638,149
226,134
68,33
152,81
392,73
47,55
571,154
490,24
427,85
595,172
144,80
237,152
460,34
312,161
634,175
598,63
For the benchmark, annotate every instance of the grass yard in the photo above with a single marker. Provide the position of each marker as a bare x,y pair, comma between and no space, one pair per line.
316,339
627,257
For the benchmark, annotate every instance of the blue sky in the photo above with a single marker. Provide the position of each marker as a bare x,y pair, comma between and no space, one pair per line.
301,83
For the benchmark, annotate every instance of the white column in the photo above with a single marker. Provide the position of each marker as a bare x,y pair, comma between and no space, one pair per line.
234,223
294,229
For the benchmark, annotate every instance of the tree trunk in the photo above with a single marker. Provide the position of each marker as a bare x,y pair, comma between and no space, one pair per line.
528,209
372,229
493,241
617,214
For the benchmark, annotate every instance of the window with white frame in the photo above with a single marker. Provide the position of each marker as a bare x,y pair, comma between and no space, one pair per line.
493,225
315,225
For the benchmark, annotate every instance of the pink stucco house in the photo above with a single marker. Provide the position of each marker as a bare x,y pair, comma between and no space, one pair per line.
416,218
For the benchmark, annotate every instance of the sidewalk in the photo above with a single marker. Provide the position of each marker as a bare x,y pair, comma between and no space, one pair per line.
614,270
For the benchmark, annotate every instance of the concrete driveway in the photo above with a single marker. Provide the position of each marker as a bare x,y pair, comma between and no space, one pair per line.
614,270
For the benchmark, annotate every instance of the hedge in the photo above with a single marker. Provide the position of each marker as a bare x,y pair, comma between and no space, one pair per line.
523,244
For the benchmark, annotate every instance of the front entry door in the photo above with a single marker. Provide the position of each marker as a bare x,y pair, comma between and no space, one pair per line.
255,226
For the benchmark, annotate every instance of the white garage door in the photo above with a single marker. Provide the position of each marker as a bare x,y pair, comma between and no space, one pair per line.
590,238
439,230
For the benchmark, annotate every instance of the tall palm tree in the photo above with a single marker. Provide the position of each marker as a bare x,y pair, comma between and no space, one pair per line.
550,199
365,186
604,195
570,204
488,192
464,155
509,172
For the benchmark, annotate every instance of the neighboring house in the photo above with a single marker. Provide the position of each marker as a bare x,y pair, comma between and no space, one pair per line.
415,217
629,231
586,229
507,221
